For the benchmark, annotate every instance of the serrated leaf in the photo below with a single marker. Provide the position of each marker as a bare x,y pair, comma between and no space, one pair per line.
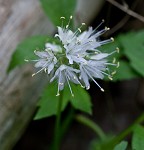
133,44
49,101
25,50
55,9
124,72
121,146
138,138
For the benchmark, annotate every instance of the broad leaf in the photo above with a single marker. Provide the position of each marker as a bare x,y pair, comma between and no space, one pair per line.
81,99
25,50
49,101
121,146
138,138
133,45
55,9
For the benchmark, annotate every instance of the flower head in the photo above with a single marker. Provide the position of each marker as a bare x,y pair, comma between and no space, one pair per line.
78,58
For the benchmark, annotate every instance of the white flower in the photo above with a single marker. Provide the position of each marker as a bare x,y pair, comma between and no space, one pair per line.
77,45
91,70
46,61
64,74
78,58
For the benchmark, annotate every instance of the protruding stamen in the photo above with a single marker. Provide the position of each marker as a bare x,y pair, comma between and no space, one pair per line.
112,39
62,17
69,85
82,86
58,94
26,60
88,87
99,24
118,64
69,22
78,81
102,89
56,35
45,70
99,33
106,28
33,74
96,52
117,49
114,72
94,80
79,30
58,84
106,41
110,78
103,20
114,60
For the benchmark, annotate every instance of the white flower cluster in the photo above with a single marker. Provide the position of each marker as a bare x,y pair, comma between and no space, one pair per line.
77,59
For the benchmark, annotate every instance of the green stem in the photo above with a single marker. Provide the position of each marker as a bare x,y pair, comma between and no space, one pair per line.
92,125
57,133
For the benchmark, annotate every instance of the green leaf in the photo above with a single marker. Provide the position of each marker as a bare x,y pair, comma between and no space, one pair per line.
121,146
138,138
49,101
25,50
124,72
55,9
81,99
133,45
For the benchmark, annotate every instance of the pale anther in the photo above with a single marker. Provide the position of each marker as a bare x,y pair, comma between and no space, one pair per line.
79,30
112,39
114,72
110,78
33,74
117,49
58,94
26,60
114,60
118,64
62,17
102,89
